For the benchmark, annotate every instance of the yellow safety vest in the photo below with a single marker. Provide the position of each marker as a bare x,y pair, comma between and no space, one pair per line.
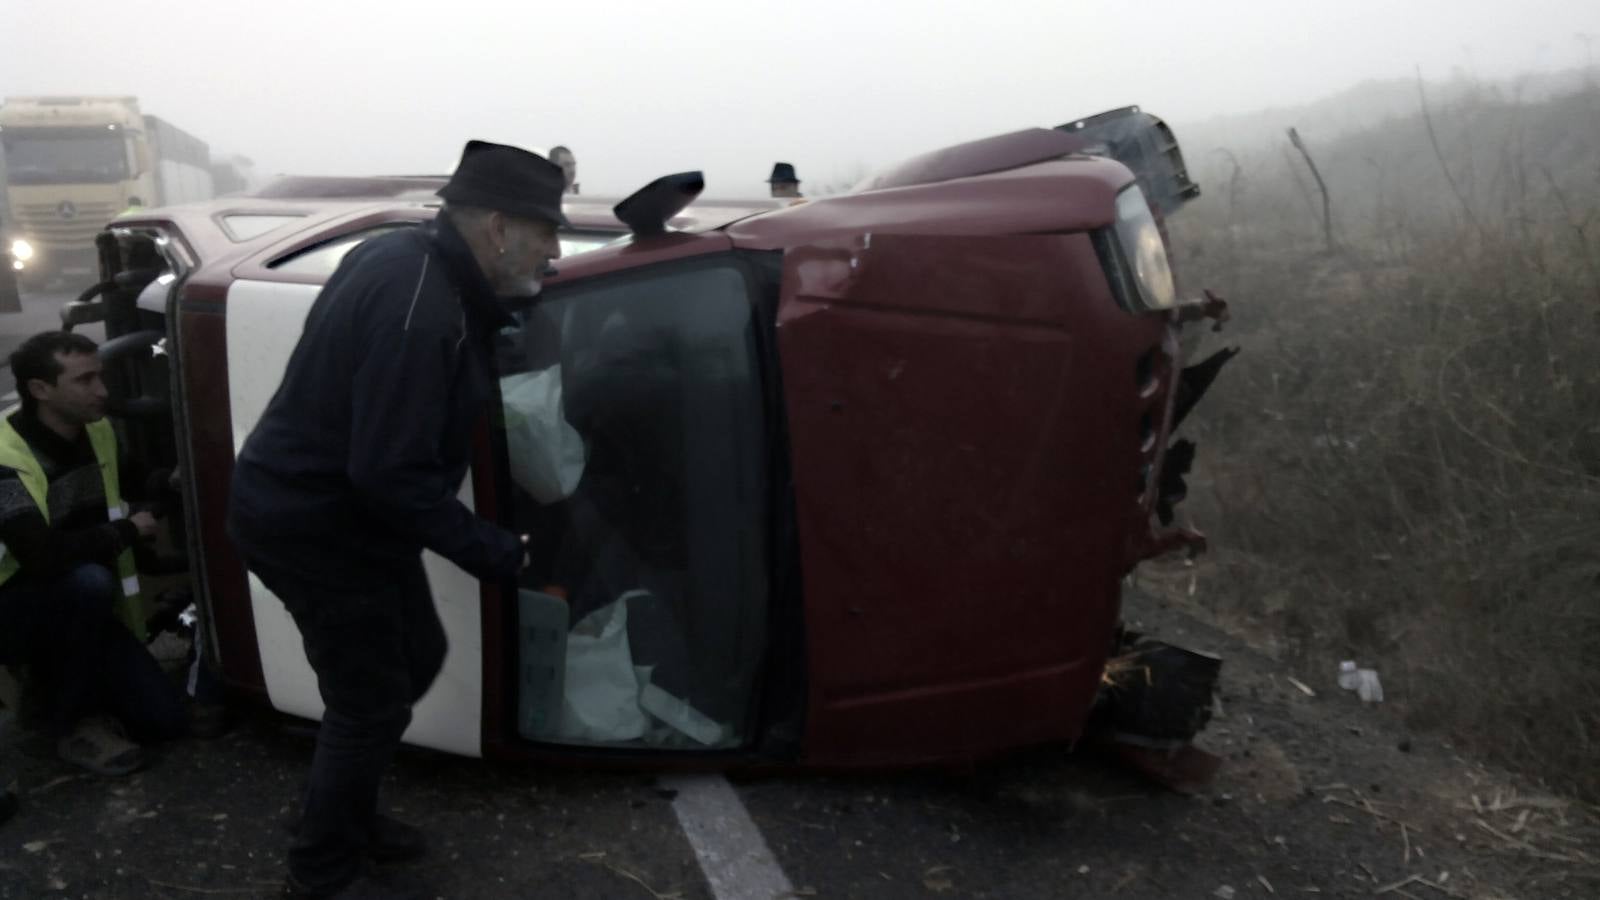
15,454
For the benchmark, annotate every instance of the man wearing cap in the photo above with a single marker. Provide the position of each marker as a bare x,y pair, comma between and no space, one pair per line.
561,156
785,183
354,469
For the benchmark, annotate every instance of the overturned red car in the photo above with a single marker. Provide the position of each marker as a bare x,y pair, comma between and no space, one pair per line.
848,482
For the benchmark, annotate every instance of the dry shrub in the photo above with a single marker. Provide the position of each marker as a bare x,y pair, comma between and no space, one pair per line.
1404,466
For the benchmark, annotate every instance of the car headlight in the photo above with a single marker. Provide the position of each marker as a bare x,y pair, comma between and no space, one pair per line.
1135,257
21,250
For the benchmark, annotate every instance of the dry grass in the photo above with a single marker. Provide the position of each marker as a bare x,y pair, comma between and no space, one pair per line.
1404,467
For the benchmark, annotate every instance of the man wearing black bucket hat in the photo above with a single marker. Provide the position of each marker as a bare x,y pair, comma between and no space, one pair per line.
783,180
354,469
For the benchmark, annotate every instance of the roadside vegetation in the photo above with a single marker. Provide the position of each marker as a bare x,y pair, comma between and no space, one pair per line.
1403,467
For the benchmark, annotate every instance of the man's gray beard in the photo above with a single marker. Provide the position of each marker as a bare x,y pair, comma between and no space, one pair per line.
529,287
506,286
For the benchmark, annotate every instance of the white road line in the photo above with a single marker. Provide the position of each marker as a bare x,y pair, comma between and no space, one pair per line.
734,856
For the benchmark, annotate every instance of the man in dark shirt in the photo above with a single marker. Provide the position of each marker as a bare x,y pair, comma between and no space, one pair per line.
69,593
355,467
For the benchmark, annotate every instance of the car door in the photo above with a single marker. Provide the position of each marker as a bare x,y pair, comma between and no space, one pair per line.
266,308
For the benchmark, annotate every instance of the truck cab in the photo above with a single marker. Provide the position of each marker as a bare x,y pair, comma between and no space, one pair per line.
74,163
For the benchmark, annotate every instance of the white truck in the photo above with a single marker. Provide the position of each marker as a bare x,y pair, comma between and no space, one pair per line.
75,163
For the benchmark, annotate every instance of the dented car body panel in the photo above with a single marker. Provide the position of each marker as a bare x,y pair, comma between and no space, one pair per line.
946,400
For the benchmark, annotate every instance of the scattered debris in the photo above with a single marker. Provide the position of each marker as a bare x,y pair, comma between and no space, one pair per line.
1370,690
1223,893
1572,856
1363,681
255,887
1366,806
1417,879
1409,879
935,880
54,783
36,846
1551,804
1304,688
1265,883
675,895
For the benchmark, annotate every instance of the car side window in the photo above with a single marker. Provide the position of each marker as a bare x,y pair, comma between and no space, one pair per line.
634,421
322,259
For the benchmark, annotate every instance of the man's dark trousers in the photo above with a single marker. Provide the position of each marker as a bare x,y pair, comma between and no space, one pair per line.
375,651
84,658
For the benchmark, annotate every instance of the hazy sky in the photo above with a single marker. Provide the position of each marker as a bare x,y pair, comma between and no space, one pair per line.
644,88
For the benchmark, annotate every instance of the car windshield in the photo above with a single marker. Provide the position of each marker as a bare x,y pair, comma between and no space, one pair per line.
64,155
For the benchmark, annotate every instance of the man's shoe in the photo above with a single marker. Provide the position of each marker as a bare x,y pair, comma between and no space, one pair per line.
364,887
99,744
394,841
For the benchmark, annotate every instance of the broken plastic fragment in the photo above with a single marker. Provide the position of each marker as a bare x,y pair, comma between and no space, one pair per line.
1368,688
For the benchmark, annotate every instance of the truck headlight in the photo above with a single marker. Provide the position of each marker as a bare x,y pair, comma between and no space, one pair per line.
1135,257
21,250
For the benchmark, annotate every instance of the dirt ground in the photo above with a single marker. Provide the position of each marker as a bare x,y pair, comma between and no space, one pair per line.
1319,795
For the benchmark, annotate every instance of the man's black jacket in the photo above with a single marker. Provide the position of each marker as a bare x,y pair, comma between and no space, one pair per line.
355,466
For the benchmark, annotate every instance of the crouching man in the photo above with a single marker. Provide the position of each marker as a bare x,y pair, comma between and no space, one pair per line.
69,607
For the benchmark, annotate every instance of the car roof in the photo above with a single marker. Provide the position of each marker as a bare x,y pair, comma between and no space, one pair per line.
204,226
422,188
307,203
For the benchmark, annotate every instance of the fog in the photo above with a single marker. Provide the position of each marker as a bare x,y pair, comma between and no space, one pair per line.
640,89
